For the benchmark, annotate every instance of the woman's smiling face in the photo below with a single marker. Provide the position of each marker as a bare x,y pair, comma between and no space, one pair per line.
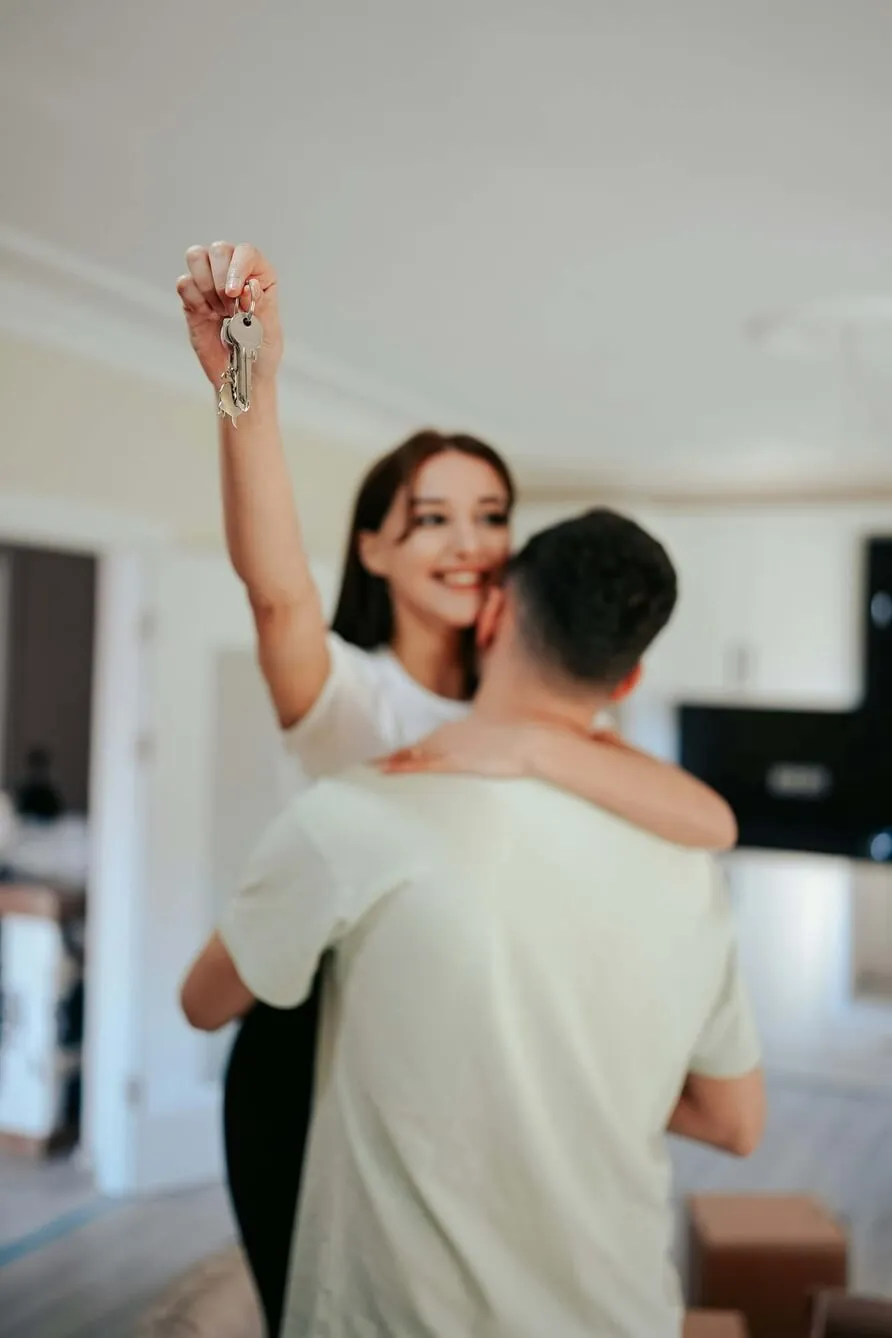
443,540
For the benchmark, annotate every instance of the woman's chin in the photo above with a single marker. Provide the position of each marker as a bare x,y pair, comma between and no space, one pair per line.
460,611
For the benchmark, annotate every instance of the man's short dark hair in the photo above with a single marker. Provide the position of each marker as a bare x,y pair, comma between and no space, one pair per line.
592,593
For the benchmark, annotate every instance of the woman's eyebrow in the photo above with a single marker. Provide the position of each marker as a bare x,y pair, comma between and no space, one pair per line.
441,501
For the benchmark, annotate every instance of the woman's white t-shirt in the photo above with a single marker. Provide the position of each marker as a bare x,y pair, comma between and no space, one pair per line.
368,707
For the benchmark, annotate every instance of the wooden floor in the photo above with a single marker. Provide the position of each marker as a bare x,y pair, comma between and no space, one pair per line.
34,1194
91,1276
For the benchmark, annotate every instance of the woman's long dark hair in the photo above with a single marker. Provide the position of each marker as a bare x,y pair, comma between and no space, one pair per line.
364,612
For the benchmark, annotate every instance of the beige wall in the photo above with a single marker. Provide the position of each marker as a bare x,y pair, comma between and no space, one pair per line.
73,431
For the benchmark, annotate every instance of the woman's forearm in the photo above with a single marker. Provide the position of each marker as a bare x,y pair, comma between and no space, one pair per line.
262,526
729,1113
688,1121
651,794
266,548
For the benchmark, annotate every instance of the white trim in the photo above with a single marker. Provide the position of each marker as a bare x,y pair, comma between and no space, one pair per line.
5,634
109,1132
61,522
120,543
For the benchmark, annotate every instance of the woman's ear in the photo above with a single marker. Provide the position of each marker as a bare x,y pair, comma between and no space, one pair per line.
371,552
628,685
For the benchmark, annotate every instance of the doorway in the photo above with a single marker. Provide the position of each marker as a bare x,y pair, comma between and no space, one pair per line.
47,637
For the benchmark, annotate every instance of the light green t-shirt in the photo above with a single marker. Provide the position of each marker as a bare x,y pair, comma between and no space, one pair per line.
519,985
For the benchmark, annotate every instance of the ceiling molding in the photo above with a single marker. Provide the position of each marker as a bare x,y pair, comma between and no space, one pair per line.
585,492
61,301
768,497
68,523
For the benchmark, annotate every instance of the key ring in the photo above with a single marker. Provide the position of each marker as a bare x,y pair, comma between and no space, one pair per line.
249,314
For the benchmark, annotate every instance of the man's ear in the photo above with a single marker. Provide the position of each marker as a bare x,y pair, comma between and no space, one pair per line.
628,685
490,617
371,552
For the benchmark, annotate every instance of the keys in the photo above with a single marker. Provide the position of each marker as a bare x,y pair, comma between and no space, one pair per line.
245,335
226,405
242,334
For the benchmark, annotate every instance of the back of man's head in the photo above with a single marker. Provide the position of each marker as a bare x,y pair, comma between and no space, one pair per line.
590,595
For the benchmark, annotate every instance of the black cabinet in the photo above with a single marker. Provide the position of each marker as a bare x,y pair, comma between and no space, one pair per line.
810,780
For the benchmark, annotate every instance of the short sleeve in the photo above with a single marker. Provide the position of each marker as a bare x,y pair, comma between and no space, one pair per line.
728,1045
345,725
287,912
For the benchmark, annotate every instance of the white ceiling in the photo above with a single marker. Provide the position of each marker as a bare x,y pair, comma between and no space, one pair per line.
548,223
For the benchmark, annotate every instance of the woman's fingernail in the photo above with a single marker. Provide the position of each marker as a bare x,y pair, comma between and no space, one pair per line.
232,284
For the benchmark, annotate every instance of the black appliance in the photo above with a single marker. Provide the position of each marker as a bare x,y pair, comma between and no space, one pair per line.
810,780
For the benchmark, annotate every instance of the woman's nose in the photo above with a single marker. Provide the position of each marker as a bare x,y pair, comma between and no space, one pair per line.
466,538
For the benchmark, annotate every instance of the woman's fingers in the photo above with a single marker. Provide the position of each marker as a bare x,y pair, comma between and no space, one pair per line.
222,271
246,262
409,760
220,258
199,263
191,296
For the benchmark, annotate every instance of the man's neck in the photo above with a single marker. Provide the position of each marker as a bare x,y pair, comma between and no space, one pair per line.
518,699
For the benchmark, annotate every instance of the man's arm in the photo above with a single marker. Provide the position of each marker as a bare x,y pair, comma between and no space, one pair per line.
727,1113
274,931
213,992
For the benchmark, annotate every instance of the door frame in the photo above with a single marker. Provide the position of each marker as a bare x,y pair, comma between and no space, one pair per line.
120,544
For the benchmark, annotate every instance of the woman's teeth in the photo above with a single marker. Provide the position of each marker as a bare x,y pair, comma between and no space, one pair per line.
462,580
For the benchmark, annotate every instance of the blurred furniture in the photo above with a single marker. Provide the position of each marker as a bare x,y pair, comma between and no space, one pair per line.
41,1015
837,1315
765,1256
714,1324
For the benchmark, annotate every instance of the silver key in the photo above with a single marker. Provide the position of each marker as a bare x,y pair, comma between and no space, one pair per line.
226,405
244,333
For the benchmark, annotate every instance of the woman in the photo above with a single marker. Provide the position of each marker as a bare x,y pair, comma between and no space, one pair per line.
429,531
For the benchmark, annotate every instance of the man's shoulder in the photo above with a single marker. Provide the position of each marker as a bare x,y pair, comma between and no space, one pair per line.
363,814
327,798
358,808
602,839
589,819
364,789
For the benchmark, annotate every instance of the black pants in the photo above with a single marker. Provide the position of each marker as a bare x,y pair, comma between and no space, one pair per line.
268,1101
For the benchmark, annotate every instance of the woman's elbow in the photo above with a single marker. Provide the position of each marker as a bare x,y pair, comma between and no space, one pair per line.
196,1009
724,832
745,1140
746,1134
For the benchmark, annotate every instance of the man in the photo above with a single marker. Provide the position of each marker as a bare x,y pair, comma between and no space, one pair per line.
525,992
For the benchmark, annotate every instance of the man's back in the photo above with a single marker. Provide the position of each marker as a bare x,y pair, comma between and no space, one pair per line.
507,1027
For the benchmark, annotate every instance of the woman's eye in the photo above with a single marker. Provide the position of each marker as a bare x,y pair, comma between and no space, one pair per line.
428,519
497,519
